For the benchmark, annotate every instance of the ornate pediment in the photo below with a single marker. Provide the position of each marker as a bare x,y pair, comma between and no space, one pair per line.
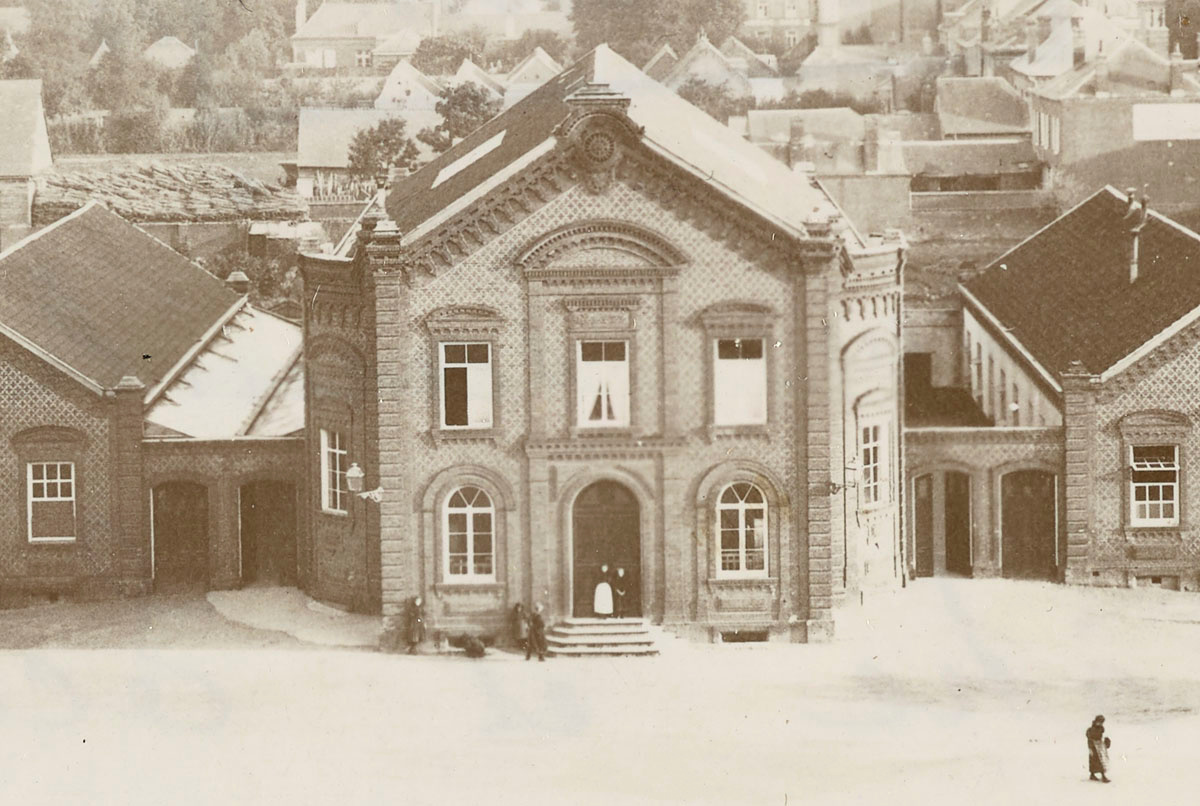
600,247
464,321
1153,424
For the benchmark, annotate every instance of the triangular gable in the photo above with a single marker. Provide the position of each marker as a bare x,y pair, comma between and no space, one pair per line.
661,62
536,68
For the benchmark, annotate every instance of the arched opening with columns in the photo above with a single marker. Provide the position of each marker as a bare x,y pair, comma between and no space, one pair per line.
606,536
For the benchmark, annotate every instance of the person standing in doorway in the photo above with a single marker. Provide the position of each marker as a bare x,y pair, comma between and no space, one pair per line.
415,631
536,641
602,601
620,588
520,625
1098,745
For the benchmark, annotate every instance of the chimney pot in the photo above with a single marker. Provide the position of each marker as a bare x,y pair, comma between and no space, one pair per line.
238,282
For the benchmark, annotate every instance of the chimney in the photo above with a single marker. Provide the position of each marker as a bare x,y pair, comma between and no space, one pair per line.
871,149
1102,78
827,24
238,282
1136,213
985,23
301,13
1177,68
1031,39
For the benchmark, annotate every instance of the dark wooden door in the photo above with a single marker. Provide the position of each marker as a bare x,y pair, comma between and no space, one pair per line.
269,533
923,523
606,529
958,523
180,536
1027,528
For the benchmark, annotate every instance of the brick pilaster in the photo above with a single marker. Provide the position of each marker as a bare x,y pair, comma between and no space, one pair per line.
131,503
1079,427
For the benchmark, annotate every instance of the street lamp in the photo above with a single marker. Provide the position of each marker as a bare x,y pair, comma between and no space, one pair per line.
354,482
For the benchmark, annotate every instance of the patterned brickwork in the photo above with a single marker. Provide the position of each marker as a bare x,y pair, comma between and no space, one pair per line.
1167,379
32,394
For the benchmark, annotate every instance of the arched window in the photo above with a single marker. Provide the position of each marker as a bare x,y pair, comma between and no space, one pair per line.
470,545
742,524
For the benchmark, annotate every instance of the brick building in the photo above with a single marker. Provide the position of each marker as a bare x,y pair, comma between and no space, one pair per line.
150,420
1076,352
606,329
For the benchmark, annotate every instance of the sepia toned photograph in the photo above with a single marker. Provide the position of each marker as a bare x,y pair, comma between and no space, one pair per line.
599,402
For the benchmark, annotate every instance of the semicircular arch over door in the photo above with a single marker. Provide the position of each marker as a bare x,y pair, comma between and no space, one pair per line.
605,530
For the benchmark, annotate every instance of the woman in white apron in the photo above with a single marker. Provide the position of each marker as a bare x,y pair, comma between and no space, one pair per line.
602,602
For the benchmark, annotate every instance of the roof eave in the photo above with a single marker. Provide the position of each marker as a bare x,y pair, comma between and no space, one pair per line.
53,360
1008,337
169,377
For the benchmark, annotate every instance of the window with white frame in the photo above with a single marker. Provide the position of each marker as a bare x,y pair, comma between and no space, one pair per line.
977,373
791,37
1016,404
742,523
739,382
1002,412
470,544
602,383
466,370
334,492
362,58
874,453
50,501
1055,134
1154,485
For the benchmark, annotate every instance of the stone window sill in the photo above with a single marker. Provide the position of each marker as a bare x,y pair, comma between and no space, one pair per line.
440,435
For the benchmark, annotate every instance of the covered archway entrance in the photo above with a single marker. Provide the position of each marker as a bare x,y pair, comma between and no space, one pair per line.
180,537
268,533
1028,524
942,523
606,530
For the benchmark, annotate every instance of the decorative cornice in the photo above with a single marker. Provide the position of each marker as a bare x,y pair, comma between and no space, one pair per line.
603,447
657,253
464,320
736,315
605,303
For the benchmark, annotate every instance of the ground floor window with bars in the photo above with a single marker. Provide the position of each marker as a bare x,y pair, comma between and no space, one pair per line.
50,501
470,536
1154,485
742,521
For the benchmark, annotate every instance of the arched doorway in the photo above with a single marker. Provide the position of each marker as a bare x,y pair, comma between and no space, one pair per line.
268,533
1029,524
942,523
180,536
606,529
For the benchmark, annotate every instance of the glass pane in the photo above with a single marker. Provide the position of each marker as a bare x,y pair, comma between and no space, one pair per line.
455,353
39,471
64,472
458,564
458,543
458,522
592,350
1154,453
1168,510
729,519
614,351
755,560
457,500
731,560
483,543
483,523
756,536
728,349
454,387
752,348
754,496
730,540
477,353
39,489
483,565
53,520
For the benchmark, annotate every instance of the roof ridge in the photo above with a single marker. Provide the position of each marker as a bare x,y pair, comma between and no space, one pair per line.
1047,226
33,236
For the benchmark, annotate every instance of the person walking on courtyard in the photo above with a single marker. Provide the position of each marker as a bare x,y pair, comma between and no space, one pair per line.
536,641
520,625
602,601
415,628
1098,745
620,588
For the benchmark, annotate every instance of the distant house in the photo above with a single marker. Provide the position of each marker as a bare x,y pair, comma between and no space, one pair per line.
534,70
406,87
504,20
468,71
169,52
775,23
98,54
980,107
322,161
151,420
705,62
661,62
24,155
360,36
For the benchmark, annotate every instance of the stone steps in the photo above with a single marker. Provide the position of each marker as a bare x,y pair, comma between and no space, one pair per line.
581,637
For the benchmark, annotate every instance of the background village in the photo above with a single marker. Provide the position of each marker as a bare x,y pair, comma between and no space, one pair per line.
979,364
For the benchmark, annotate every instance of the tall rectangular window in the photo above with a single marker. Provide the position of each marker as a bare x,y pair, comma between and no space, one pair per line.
991,388
791,37
602,383
1016,404
874,457
362,58
466,384
334,494
977,373
50,501
762,10
1002,414
739,382
1154,485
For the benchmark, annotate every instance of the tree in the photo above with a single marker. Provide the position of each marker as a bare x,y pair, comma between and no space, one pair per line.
715,99
465,107
442,55
382,146
636,28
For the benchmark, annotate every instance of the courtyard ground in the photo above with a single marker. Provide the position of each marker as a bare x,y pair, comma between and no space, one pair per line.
951,691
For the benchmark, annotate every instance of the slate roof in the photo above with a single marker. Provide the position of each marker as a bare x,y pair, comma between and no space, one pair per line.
1065,293
24,147
984,157
673,127
97,294
979,107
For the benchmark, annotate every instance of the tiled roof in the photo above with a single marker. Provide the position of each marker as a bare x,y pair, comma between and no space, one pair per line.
24,147
106,299
1065,293
672,126
969,157
365,20
980,106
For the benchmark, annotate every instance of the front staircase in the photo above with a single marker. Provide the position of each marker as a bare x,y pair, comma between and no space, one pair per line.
585,637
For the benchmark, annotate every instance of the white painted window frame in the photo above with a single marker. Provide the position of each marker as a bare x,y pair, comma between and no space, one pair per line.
1162,486
609,375
741,507
480,386
469,511
334,492
31,500
728,414
873,453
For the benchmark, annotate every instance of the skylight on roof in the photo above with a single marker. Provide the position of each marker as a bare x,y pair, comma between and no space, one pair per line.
470,158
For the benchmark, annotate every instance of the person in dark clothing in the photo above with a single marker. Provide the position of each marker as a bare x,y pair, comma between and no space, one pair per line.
620,589
415,628
520,625
537,634
1098,745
